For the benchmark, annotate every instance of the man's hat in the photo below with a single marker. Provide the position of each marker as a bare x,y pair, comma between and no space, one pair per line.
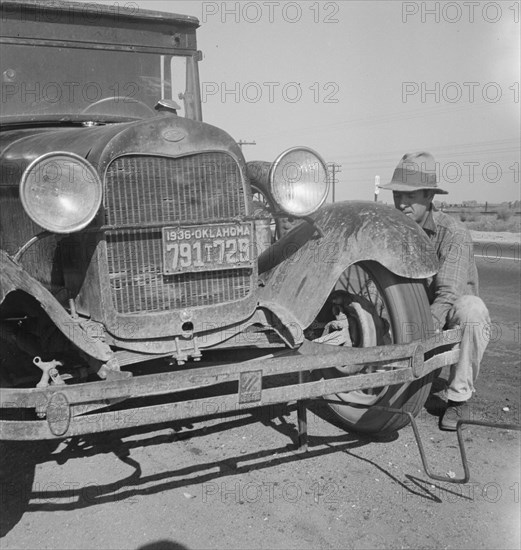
415,171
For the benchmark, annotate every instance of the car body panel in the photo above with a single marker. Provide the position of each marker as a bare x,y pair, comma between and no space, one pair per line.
300,270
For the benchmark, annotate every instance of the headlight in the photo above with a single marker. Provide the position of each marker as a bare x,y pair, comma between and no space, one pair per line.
61,192
299,181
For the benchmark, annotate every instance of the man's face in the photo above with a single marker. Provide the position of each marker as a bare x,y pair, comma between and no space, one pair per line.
415,204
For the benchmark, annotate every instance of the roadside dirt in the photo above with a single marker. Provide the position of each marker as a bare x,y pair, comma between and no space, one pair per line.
496,236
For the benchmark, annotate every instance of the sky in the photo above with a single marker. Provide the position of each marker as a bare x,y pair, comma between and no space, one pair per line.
364,82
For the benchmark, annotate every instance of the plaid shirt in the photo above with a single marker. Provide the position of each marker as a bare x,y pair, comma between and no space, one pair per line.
457,274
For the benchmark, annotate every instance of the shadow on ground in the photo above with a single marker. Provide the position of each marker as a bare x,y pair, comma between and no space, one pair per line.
19,461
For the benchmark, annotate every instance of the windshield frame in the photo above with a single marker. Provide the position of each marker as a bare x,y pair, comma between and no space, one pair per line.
93,27
81,111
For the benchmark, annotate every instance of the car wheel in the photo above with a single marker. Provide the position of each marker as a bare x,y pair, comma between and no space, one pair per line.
385,309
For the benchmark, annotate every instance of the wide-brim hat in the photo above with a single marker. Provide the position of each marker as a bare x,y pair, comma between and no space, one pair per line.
415,171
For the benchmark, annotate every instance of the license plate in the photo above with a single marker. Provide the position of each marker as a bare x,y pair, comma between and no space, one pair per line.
207,247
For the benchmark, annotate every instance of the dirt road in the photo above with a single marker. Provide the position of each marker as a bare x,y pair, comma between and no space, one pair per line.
237,482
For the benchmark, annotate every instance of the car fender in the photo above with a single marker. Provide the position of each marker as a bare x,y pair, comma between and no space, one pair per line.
14,277
300,270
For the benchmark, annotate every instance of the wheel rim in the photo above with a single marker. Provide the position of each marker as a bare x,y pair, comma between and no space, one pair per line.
404,303
359,282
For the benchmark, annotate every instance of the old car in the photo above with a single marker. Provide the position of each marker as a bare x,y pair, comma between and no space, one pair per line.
141,281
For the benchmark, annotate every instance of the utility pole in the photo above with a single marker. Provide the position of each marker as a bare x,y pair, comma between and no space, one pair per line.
333,170
241,142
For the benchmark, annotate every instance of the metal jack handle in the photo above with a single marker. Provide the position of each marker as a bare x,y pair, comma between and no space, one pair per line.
461,444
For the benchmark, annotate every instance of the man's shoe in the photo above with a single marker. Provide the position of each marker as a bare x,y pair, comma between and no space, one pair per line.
455,411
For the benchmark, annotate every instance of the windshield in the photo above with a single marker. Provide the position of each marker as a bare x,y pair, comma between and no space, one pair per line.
55,83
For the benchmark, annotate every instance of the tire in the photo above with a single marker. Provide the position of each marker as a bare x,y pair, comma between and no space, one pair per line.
404,305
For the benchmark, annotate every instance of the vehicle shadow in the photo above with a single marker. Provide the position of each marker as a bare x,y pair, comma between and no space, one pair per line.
20,494
18,461
163,544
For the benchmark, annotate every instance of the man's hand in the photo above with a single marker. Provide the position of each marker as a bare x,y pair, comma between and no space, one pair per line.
336,333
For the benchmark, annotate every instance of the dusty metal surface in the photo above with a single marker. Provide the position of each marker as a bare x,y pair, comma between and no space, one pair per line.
86,277
300,270
14,277
404,363
61,20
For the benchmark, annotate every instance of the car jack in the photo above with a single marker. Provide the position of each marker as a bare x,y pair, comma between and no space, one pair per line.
302,438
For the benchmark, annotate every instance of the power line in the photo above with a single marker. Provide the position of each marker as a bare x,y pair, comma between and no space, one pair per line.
407,114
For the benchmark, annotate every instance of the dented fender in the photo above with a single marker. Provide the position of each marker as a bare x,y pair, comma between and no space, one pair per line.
14,277
300,270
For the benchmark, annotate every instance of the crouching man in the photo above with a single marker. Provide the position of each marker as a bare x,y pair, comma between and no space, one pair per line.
453,292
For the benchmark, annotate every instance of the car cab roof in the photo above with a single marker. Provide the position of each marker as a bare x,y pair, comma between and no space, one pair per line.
115,12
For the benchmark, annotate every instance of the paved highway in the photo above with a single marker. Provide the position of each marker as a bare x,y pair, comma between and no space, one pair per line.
492,252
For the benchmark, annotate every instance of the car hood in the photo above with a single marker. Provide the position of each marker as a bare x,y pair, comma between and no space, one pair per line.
164,135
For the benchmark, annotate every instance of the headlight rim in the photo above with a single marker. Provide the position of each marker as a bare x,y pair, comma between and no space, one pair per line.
85,165
273,169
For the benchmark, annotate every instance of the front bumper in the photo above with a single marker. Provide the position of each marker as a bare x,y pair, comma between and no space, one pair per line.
63,408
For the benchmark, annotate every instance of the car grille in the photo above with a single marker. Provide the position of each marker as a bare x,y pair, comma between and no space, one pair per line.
157,191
